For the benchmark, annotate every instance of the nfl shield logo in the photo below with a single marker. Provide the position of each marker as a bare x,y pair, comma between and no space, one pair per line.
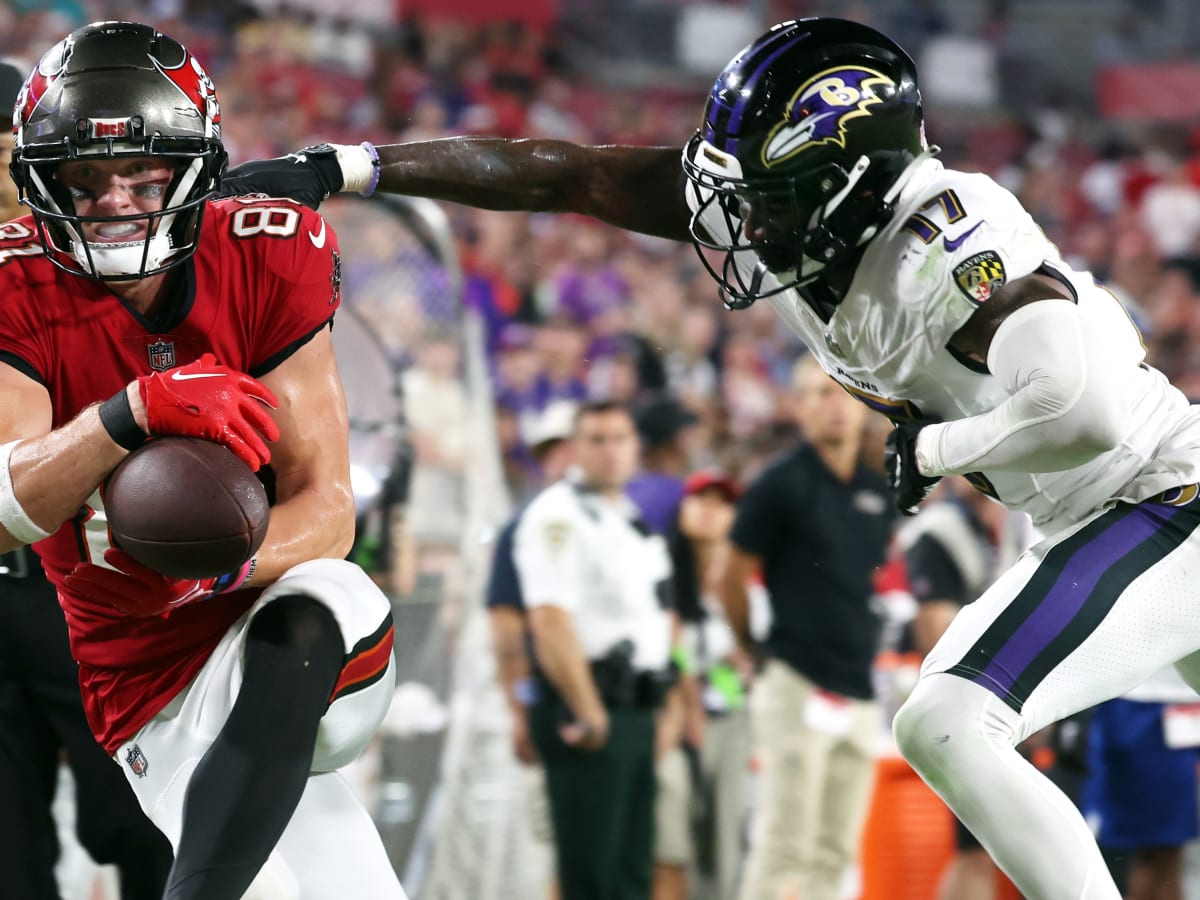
137,762
162,355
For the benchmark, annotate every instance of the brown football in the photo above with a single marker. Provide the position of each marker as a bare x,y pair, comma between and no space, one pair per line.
186,508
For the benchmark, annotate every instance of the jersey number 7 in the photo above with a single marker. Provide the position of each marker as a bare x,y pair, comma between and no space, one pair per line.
923,228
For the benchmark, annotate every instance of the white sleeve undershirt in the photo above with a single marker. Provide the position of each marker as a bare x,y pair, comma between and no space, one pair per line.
1066,405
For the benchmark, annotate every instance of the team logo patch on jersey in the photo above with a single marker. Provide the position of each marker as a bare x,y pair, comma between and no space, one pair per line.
980,276
137,762
335,278
162,355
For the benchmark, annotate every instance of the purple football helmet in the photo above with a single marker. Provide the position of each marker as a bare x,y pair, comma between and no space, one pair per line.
807,138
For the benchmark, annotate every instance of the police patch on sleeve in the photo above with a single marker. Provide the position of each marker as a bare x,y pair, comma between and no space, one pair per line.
555,535
980,276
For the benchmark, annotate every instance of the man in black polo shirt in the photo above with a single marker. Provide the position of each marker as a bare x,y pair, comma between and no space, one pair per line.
816,523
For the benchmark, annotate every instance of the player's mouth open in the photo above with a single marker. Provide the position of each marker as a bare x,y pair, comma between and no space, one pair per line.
118,231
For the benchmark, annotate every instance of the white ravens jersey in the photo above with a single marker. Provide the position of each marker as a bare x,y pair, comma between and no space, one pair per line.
956,238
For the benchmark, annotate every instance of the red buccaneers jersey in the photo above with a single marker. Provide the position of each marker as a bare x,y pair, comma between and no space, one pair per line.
264,281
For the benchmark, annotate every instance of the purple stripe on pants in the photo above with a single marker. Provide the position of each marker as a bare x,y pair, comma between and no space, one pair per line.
1070,592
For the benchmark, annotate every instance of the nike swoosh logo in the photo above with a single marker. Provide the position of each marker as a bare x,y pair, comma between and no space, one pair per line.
184,376
318,239
952,245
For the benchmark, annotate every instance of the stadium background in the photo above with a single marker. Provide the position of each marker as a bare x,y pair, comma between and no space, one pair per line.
460,324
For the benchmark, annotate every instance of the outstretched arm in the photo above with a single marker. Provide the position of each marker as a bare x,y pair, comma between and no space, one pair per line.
636,188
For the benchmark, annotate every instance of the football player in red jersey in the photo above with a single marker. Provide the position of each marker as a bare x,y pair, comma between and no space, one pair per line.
41,712
132,304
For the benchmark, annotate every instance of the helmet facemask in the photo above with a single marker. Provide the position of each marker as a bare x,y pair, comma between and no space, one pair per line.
808,137
116,91
170,233
795,227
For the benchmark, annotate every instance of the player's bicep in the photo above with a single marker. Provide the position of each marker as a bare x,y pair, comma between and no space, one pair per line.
25,410
974,338
312,452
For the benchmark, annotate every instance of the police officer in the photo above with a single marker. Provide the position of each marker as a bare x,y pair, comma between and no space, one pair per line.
41,717
595,581
550,444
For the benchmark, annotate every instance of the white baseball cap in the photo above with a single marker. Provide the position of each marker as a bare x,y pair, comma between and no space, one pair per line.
555,423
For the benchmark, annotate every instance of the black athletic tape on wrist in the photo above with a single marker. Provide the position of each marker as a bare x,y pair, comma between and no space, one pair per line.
116,415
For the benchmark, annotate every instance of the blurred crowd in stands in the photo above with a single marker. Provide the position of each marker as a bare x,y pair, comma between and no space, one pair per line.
575,309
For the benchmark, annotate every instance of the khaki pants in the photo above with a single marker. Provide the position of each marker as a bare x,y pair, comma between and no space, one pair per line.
818,764
726,759
673,845
723,762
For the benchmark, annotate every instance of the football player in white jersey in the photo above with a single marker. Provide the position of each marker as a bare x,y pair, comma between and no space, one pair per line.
934,297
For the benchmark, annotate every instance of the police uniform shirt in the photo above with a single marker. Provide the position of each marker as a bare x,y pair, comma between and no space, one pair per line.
820,541
592,557
503,585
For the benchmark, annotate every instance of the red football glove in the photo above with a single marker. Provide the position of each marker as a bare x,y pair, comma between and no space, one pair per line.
143,592
213,402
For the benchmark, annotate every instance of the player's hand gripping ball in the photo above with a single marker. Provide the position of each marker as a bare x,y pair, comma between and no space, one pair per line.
138,591
205,399
186,508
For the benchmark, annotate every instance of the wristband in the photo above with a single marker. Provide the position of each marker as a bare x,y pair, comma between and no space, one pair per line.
235,580
682,657
12,514
116,415
376,167
360,167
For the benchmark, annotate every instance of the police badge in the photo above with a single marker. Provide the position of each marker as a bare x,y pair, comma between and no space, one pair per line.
162,355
